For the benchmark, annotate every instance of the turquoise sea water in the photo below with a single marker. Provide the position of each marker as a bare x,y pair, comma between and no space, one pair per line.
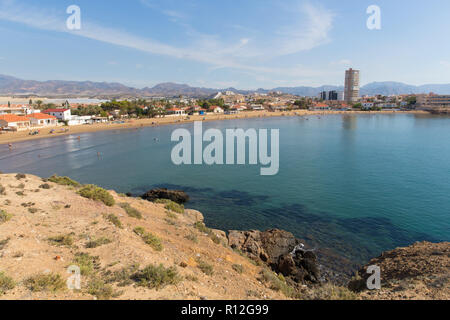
358,184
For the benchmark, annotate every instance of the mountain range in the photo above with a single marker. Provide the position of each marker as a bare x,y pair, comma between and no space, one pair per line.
55,88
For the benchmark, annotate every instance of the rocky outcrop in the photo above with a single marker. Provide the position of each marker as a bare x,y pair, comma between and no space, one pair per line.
177,196
280,250
420,271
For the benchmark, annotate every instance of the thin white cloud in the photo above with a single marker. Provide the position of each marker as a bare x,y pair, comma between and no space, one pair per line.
205,48
445,63
311,30
342,62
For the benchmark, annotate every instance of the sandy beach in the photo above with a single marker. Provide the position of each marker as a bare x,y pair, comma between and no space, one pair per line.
11,137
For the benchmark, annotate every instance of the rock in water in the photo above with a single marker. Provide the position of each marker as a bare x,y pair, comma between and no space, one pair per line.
280,250
177,196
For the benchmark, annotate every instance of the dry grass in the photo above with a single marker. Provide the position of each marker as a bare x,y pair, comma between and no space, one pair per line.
114,220
5,216
45,282
97,242
62,240
6,283
88,264
149,238
205,267
132,212
171,205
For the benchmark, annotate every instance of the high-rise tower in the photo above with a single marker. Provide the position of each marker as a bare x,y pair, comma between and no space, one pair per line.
351,93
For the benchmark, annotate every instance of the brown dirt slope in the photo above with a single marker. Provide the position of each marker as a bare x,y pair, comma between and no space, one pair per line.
420,271
205,269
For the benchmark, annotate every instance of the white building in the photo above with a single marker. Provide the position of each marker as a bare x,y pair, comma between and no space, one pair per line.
79,120
42,120
215,109
14,122
176,112
61,114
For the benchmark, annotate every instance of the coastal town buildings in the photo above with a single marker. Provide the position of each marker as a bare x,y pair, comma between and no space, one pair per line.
14,122
176,112
215,109
61,114
42,120
351,90
432,101
20,110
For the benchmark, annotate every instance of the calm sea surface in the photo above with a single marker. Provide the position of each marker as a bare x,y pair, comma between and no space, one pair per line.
357,184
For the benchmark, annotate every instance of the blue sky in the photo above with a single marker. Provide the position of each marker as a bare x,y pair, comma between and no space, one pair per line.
246,44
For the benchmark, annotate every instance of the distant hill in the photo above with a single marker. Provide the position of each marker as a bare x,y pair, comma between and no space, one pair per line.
307,91
15,86
389,88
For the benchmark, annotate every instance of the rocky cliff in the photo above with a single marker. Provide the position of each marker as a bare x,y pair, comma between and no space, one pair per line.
131,248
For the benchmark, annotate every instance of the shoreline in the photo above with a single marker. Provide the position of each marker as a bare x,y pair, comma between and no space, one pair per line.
273,264
12,137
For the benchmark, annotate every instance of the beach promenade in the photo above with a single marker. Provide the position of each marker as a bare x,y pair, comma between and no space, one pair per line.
11,137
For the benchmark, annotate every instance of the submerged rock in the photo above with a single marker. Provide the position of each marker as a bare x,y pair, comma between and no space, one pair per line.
177,196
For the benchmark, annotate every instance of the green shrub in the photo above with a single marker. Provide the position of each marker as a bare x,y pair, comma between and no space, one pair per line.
4,216
191,278
93,192
156,277
206,268
62,240
123,277
45,282
2,190
132,212
149,238
87,263
170,221
200,226
277,283
191,237
3,243
32,210
171,215
238,268
20,176
101,290
20,193
97,242
6,283
45,186
172,206
64,181
114,220
329,291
